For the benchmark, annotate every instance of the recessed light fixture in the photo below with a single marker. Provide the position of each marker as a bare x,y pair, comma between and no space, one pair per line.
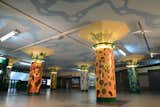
139,31
9,35
122,52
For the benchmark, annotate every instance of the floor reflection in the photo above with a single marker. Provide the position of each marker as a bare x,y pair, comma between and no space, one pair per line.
76,98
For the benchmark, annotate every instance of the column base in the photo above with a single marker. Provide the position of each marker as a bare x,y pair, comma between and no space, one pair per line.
106,100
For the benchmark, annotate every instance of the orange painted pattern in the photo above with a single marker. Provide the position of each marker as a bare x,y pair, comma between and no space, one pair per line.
35,78
105,72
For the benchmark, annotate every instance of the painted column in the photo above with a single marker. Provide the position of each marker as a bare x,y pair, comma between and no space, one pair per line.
103,34
84,66
53,80
132,61
38,54
84,80
35,77
105,74
133,80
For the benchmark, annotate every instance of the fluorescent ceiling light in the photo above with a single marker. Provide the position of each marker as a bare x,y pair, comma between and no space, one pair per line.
25,63
139,31
9,35
76,69
122,52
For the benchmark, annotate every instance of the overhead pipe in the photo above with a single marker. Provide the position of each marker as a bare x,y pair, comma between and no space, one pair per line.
144,36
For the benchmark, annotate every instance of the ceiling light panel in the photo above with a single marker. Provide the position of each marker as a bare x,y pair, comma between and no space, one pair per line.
9,35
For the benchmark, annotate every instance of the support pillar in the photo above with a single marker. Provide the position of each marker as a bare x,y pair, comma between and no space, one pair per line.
103,34
53,80
105,73
84,80
133,80
132,63
35,77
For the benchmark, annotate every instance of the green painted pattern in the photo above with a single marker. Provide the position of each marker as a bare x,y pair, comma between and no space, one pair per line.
133,80
106,99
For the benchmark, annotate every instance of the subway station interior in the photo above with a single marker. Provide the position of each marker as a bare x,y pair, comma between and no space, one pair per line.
79,53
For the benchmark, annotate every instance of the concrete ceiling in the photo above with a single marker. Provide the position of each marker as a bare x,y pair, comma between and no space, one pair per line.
41,19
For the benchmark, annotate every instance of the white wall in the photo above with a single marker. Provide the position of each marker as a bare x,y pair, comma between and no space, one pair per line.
19,76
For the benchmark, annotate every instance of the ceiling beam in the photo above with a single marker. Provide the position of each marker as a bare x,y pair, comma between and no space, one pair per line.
55,37
33,19
144,36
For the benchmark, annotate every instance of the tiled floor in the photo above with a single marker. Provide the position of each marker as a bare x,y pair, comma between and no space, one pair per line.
76,98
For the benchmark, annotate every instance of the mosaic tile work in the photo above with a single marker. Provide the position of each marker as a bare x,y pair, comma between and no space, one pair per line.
105,72
84,81
35,78
133,80
53,81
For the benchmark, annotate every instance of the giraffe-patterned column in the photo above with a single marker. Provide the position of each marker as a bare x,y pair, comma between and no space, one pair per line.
102,34
35,77
54,71
38,54
105,72
53,80
133,80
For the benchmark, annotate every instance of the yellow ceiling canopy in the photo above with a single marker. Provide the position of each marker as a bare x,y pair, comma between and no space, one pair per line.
132,59
104,31
11,62
38,52
84,65
79,64
54,68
